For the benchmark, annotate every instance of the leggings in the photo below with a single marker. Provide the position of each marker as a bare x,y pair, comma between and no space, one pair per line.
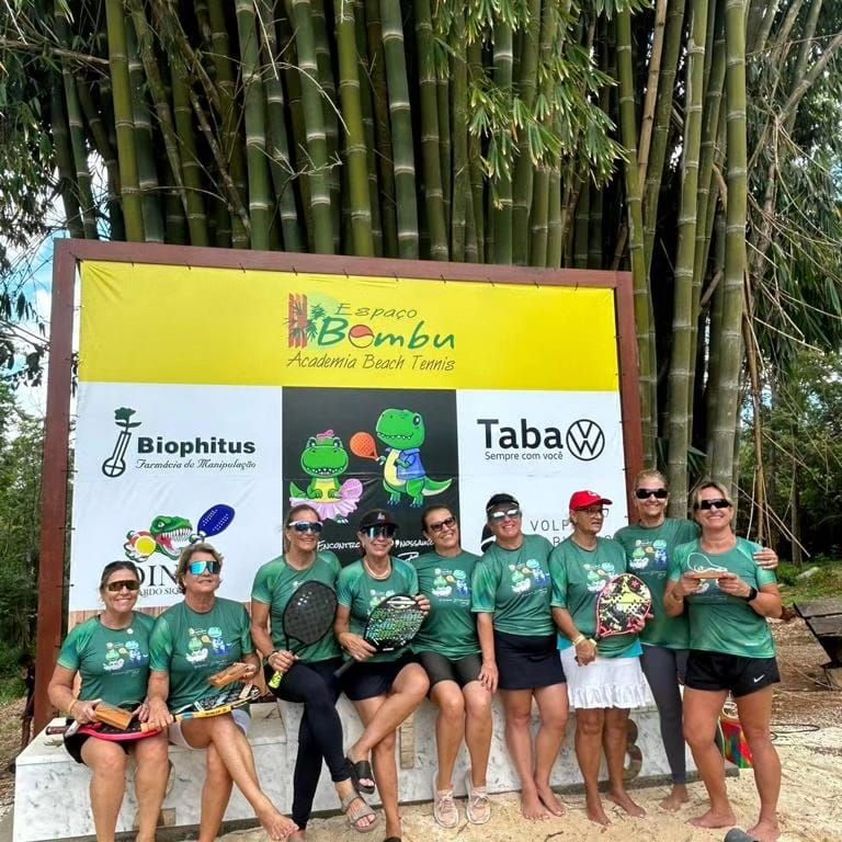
320,734
663,667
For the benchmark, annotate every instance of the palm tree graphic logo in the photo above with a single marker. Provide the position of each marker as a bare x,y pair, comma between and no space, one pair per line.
302,320
115,464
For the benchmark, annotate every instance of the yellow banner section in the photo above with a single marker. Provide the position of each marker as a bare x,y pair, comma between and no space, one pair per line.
174,324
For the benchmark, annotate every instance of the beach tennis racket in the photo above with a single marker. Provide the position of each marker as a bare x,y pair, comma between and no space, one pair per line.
216,704
622,604
215,520
364,446
112,723
308,617
391,625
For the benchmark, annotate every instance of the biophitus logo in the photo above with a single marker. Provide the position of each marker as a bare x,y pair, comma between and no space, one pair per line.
115,465
585,440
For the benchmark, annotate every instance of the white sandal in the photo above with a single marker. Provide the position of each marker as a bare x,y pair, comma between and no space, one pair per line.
478,808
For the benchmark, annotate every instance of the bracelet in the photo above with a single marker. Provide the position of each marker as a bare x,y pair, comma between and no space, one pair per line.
579,639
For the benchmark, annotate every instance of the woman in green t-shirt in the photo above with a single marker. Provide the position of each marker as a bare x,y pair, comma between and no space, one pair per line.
604,679
510,595
308,676
192,641
110,654
462,676
385,687
728,597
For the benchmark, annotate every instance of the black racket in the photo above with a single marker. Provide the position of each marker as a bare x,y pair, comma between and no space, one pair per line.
308,617
622,604
391,625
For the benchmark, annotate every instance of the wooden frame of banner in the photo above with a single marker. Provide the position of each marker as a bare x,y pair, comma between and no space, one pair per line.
54,496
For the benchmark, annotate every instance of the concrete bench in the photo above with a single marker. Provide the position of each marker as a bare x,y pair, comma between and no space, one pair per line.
51,790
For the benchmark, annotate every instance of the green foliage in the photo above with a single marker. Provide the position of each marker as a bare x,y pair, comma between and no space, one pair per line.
827,582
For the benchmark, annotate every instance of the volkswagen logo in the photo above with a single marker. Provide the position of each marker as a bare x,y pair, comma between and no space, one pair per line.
585,439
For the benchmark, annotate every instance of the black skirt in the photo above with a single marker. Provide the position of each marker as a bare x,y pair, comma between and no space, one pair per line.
526,663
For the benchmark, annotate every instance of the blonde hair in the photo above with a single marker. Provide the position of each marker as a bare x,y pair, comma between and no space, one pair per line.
650,473
187,553
695,495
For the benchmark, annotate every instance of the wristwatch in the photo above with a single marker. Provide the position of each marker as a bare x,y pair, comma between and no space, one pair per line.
752,595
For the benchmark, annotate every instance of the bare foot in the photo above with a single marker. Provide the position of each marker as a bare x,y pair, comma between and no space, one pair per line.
532,808
298,836
550,800
393,829
764,831
593,807
711,819
276,825
623,799
676,798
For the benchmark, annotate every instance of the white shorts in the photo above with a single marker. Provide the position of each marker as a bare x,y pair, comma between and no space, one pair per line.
241,719
605,682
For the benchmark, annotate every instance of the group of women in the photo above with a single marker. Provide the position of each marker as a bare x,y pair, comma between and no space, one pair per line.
520,620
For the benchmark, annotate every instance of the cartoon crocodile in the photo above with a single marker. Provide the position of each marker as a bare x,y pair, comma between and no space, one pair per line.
167,535
402,430
325,460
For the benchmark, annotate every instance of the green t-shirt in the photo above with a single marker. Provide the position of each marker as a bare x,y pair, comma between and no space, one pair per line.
191,647
578,576
276,582
450,627
112,663
358,591
514,586
649,554
720,622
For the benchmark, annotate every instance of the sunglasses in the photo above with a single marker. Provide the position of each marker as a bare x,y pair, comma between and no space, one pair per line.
199,567
509,514
717,503
128,584
387,530
447,523
304,526
646,493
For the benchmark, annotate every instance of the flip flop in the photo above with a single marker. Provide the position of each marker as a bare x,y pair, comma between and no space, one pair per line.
365,812
358,770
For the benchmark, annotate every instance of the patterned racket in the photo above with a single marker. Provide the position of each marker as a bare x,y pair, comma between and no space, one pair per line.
216,704
622,603
308,617
113,724
215,520
391,625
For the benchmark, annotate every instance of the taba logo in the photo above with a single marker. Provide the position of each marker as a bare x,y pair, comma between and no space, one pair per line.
115,464
331,324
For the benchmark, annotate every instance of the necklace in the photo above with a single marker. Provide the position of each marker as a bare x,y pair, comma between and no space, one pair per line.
378,576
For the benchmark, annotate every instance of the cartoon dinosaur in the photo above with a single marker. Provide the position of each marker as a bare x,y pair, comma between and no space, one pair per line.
167,535
402,430
325,460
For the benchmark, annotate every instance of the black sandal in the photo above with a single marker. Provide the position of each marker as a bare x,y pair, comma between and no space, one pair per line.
358,770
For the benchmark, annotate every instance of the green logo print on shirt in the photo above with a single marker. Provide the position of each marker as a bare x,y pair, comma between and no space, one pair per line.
202,641
524,575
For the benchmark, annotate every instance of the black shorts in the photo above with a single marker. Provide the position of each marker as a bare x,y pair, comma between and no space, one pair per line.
366,680
717,671
439,668
74,744
527,663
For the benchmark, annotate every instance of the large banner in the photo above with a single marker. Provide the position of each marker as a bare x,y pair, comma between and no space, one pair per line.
210,400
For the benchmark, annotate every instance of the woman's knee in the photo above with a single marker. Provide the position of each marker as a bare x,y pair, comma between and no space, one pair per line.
699,732
413,681
756,734
590,723
450,702
110,764
478,704
386,745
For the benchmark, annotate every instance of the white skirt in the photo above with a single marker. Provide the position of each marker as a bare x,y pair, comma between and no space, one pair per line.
605,682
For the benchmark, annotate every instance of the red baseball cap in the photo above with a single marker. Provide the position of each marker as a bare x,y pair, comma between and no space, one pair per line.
586,499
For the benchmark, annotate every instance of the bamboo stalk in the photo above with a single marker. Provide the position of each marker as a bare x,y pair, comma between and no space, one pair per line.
502,213
647,119
475,73
459,133
64,159
255,125
581,228
554,227
433,192
683,356
124,121
355,146
401,121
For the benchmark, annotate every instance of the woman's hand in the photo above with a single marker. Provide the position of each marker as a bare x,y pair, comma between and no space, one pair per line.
488,676
281,660
733,585
84,712
423,603
357,647
585,652
766,558
157,714
688,584
141,711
